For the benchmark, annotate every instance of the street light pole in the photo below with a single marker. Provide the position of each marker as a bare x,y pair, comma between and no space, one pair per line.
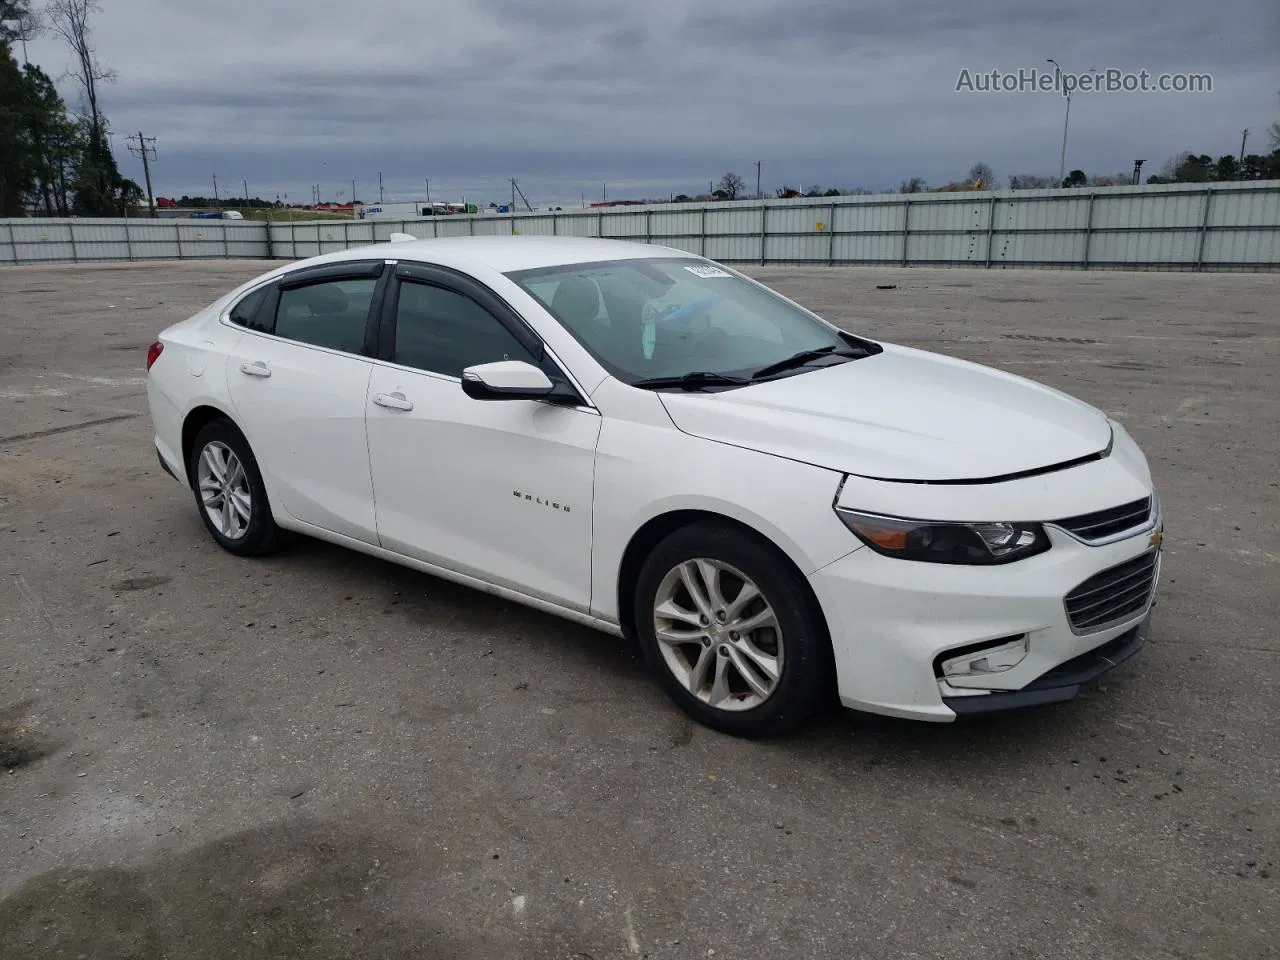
1066,122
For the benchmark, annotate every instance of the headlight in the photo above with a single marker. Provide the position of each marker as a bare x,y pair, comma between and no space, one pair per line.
942,542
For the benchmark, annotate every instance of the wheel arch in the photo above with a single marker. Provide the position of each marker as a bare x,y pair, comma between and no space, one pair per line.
657,528
195,421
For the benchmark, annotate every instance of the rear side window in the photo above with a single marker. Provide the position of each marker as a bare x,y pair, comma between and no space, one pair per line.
330,314
246,312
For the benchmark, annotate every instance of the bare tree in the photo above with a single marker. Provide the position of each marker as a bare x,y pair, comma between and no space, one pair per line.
983,172
731,185
1169,172
914,185
19,22
70,20
1031,181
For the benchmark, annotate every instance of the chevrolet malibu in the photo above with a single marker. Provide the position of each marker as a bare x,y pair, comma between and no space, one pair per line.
652,444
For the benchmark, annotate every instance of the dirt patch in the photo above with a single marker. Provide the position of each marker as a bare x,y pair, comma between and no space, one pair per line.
140,583
300,889
22,741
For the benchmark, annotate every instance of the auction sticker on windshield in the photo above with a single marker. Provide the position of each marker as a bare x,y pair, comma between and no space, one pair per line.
700,271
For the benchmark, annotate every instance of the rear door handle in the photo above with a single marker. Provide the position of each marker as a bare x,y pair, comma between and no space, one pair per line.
256,369
393,401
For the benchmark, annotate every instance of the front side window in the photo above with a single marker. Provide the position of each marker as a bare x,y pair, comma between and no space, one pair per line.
661,318
445,332
331,314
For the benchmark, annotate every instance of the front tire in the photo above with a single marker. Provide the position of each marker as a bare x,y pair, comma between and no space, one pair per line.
229,491
731,631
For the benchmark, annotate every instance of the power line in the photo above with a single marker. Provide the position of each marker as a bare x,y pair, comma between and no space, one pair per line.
144,148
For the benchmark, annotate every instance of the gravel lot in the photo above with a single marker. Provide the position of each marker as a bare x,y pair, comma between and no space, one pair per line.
324,755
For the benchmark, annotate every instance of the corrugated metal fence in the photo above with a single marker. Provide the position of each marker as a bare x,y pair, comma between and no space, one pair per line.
1229,226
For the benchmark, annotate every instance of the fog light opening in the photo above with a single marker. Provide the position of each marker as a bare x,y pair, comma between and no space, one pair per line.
983,659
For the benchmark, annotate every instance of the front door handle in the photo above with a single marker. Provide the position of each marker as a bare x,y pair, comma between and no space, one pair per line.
393,401
256,369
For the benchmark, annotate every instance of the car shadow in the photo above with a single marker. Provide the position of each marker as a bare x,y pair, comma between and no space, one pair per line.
303,888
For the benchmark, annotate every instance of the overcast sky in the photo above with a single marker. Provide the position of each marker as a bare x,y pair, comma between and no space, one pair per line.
660,96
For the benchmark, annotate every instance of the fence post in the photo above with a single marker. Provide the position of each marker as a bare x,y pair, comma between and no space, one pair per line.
226,247
293,240
600,224
435,228
13,243
269,239
346,235
831,241
128,242
764,220
554,229
648,226
702,232
177,233
471,224
1204,228
71,229
991,227
906,216
1088,232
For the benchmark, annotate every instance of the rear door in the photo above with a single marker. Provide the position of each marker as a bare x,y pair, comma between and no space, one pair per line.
299,378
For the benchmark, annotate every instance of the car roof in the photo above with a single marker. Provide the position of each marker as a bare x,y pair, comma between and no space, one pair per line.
506,254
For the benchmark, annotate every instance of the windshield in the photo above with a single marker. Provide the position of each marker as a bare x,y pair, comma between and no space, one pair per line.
652,319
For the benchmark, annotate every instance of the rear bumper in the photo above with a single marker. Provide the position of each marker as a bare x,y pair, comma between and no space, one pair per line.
169,463
164,465
1062,682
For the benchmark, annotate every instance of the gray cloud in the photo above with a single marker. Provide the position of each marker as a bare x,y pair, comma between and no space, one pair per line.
662,96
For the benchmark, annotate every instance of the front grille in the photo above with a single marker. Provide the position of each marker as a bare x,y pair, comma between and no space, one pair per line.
1112,595
1105,523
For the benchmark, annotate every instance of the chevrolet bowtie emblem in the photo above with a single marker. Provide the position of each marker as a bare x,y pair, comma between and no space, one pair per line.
1157,537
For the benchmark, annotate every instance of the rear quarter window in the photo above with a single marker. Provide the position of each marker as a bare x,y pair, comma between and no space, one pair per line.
248,311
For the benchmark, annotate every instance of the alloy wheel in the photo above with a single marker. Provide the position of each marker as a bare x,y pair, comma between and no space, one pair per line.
224,490
718,634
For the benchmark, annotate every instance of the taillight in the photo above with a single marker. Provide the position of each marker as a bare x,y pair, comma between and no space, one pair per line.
153,353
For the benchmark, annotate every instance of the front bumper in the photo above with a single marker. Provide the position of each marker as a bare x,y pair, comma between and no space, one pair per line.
891,621
1062,682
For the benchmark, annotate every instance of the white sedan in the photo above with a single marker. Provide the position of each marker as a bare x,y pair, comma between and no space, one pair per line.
650,443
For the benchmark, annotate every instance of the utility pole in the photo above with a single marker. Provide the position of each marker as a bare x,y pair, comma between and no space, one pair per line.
144,149
379,187
1240,164
428,182
246,192
604,192
215,189
353,198
516,186
1137,170
758,180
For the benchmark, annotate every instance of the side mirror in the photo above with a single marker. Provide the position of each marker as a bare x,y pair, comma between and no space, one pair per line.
506,380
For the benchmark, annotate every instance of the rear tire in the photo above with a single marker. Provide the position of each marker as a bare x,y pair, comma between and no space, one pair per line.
229,492
731,631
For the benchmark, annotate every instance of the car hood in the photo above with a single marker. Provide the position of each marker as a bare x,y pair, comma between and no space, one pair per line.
902,414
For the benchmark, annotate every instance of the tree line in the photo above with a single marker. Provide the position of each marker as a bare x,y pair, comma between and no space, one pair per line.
54,159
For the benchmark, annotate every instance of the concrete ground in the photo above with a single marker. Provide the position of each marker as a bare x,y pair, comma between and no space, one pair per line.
324,755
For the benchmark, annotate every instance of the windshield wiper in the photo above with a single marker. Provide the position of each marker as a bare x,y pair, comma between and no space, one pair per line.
692,381
804,356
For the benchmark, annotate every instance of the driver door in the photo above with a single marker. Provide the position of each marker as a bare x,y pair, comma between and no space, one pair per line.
500,490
